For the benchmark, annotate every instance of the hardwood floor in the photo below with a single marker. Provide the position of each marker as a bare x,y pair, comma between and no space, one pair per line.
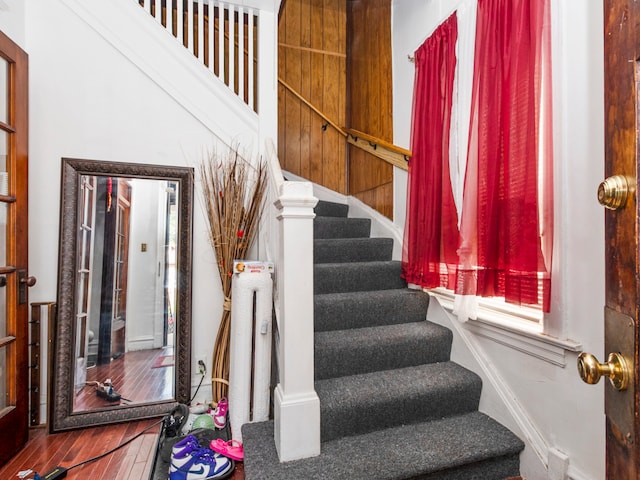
133,376
132,462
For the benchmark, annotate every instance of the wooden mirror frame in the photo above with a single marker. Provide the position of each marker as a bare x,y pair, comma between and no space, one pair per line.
61,375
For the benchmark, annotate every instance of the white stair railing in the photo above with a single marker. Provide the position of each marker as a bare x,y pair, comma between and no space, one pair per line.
287,241
222,35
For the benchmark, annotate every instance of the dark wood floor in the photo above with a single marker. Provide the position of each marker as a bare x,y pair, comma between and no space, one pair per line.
133,376
132,462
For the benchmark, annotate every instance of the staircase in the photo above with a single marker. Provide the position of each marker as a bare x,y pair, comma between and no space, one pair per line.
393,406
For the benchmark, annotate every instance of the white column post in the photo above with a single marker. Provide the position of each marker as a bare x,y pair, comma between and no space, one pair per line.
297,407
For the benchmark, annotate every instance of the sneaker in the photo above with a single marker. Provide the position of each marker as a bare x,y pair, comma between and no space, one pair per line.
220,413
187,445
200,464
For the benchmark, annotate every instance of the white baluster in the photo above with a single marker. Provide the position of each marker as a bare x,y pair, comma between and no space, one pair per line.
201,30
221,11
146,7
232,48
169,14
180,21
158,4
211,33
190,25
250,73
241,53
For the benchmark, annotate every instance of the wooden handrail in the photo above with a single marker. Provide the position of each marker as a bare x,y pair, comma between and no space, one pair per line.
382,143
312,107
382,149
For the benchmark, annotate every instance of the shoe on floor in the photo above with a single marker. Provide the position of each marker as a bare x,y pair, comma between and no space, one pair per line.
220,413
200,464
187,445
231,449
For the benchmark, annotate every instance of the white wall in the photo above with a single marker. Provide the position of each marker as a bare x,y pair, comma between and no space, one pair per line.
12,20
568,415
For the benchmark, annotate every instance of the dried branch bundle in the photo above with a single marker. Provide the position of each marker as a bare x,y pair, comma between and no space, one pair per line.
233,190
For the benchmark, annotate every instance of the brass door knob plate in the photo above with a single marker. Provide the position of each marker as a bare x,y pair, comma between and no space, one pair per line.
614,192
617,369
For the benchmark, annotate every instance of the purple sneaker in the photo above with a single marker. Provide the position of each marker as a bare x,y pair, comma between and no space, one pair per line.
200,464
187,445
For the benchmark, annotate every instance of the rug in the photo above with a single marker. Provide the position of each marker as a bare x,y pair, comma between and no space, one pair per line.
163,361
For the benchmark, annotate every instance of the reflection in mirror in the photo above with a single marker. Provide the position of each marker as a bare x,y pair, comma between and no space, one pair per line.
123,328
126,290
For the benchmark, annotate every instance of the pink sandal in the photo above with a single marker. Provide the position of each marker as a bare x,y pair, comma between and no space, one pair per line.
231,449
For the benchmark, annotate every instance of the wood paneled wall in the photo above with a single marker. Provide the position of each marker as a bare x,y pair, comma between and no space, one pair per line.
312,59
337,55
369,87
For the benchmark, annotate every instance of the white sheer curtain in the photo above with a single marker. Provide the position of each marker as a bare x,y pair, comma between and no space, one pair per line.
464,306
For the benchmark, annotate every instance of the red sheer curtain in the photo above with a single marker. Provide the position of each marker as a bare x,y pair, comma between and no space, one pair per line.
431,228
507,214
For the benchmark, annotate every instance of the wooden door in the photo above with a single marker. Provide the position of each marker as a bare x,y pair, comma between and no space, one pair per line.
622,110
14,367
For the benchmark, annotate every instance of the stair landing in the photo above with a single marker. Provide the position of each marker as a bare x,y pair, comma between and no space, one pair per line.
462,447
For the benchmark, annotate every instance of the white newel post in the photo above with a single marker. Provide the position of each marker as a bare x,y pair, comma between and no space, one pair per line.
297,407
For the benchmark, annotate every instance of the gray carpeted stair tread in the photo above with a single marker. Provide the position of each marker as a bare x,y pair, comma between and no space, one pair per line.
338,250
349,352
357,277
331,209
341,227
339,311
366,402
467,447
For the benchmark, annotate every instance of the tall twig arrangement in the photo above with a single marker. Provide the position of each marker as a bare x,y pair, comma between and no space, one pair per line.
233,190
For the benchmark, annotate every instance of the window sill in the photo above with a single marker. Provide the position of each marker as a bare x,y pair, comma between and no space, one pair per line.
514,331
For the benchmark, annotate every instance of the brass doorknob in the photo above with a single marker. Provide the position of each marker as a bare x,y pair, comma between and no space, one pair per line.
617,369
613,192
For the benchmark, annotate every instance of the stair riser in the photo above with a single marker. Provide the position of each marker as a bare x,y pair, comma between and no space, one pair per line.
352,250
342,353
335,227
494,469
365,403
339,311
376,415
355,277
331,209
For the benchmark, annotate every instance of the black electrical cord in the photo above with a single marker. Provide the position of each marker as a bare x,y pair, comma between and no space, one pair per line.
102,455
196,392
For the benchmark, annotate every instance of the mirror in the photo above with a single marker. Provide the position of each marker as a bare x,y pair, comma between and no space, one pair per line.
122,340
